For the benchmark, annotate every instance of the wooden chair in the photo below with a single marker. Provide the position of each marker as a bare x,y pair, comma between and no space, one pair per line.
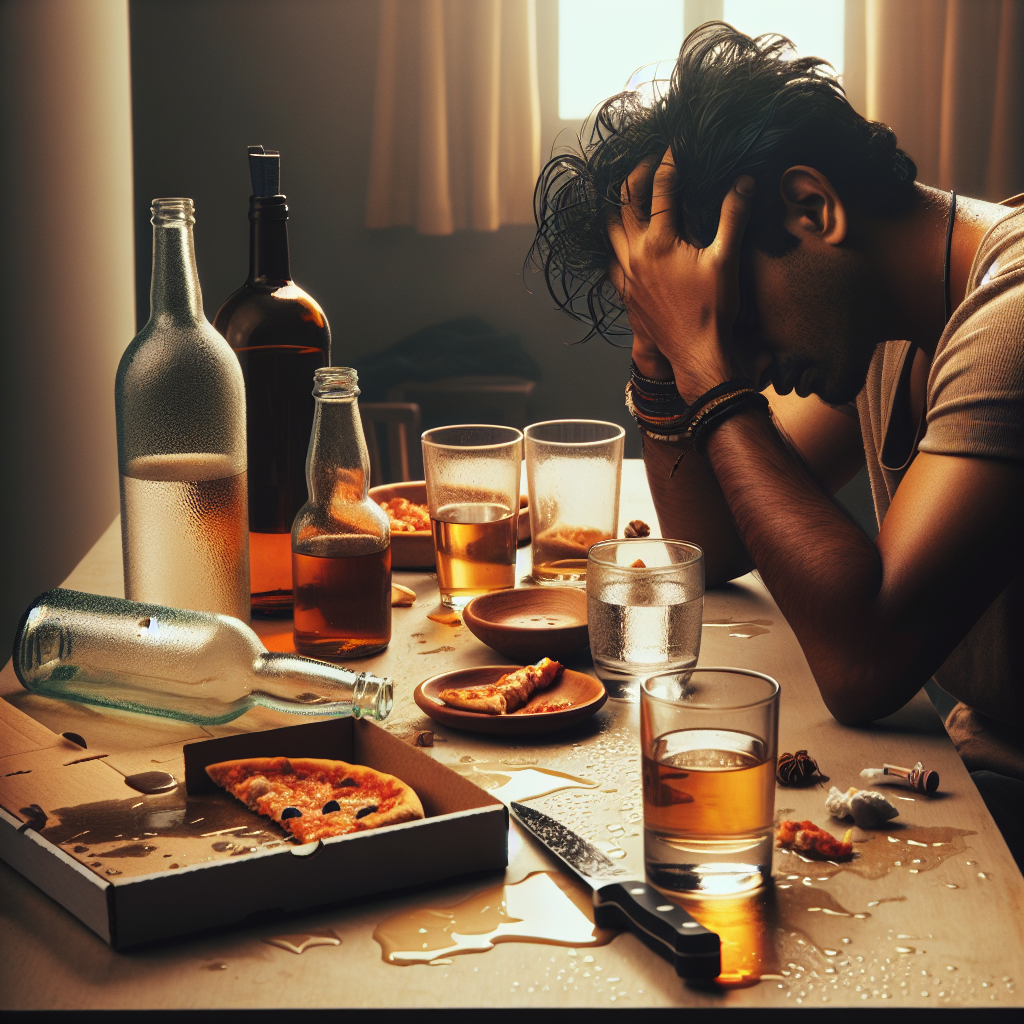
401,421
500,400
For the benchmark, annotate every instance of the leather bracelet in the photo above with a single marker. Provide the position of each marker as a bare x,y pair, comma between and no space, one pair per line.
713,415
665,426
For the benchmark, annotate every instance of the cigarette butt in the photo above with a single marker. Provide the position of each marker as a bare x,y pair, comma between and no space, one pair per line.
402,597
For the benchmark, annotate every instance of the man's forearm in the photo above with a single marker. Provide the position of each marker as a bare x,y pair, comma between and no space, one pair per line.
823,571
691,507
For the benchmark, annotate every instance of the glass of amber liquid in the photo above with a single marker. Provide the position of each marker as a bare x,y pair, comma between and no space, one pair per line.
574,469
472,474
708,743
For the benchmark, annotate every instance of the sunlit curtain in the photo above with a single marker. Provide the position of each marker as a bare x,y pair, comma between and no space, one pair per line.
948,76
456,132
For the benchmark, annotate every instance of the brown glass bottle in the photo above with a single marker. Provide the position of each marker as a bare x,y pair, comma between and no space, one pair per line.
281,337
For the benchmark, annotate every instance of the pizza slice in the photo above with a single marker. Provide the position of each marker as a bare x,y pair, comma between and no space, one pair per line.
314,799
511,691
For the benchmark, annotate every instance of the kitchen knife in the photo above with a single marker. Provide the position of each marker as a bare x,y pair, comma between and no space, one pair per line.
620,901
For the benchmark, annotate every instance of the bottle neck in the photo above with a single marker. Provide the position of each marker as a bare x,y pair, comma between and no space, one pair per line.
338,464
325,689
269,259
175,290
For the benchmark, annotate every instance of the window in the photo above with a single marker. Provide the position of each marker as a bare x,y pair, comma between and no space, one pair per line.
605,46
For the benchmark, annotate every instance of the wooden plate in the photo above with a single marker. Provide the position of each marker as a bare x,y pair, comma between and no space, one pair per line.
415,550
586,693
532,623
408,550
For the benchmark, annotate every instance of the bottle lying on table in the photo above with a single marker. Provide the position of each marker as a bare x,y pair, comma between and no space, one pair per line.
192,666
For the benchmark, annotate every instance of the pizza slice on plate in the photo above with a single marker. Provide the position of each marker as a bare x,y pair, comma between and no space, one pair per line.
314,799
511,691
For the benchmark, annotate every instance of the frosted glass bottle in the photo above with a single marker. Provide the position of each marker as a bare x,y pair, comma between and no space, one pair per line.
180,402
187,665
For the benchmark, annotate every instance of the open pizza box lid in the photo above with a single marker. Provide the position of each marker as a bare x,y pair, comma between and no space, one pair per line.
163,876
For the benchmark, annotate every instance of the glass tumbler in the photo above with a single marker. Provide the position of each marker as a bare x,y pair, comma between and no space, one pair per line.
574,471
472,475
708,742
645,603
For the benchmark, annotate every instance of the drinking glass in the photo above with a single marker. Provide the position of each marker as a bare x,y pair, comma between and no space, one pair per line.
574,470
645,602
472,474
708,741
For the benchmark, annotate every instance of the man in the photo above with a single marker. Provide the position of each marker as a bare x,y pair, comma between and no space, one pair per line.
763,236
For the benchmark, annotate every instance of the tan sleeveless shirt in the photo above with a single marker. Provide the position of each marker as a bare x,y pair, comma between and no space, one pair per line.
974,406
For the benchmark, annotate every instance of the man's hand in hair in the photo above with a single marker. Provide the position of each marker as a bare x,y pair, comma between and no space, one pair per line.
682,301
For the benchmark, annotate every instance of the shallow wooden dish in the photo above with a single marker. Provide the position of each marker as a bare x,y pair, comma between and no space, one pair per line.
529,624
416,550
408,550
586,693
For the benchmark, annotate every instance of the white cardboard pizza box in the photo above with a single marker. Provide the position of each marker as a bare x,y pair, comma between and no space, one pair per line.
143,899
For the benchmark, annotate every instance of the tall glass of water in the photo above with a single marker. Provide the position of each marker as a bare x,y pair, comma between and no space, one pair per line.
708,741
645,602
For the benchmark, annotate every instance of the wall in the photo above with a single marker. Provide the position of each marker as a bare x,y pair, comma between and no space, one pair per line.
299,78
67,305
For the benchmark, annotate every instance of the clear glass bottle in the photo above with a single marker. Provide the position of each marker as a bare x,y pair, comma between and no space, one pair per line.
280,335
188,665
341,539
180,402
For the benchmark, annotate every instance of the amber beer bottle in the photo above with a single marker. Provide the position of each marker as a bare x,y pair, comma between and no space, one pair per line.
341,539
280,335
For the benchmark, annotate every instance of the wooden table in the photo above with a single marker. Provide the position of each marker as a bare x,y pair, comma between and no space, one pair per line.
947,931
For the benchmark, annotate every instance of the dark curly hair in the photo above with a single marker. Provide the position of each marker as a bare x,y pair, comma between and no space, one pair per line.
734,105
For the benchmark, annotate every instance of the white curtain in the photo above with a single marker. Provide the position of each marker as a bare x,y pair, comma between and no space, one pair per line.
456,131
948,76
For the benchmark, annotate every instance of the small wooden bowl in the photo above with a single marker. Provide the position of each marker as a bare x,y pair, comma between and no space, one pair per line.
586,693
529,624
408,550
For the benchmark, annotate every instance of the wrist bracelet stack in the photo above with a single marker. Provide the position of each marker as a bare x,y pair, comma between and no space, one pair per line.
662,415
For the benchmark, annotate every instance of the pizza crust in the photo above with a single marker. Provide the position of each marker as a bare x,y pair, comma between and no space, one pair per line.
278,787
513,690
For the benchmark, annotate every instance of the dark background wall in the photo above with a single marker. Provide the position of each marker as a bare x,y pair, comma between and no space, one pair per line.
210,78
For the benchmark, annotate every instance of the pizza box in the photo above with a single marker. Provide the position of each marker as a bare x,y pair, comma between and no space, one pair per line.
139,868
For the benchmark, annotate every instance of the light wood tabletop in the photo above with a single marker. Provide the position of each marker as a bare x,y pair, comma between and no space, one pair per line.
928,914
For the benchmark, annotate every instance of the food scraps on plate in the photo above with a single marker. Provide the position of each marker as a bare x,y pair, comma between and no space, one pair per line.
510,692
406,516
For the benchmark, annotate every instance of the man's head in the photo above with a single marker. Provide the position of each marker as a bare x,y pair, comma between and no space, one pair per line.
737,105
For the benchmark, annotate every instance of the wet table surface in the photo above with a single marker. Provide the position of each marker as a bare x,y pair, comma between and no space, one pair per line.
928,914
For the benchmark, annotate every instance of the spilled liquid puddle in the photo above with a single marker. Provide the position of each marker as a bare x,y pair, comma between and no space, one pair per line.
151,782
914,849
744,630
302,941
519,782
544,907
169,830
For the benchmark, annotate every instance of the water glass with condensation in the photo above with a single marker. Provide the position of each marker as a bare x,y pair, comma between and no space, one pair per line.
708,740
574,470
645,603
472,474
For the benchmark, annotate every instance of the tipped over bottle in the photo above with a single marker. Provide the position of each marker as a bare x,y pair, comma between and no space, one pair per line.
187,665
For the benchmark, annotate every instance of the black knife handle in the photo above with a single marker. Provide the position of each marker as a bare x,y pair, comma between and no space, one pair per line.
667,929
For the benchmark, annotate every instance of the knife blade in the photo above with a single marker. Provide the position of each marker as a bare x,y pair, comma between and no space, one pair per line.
622,901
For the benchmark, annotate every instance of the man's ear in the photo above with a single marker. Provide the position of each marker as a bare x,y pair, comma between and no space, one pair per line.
814,210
